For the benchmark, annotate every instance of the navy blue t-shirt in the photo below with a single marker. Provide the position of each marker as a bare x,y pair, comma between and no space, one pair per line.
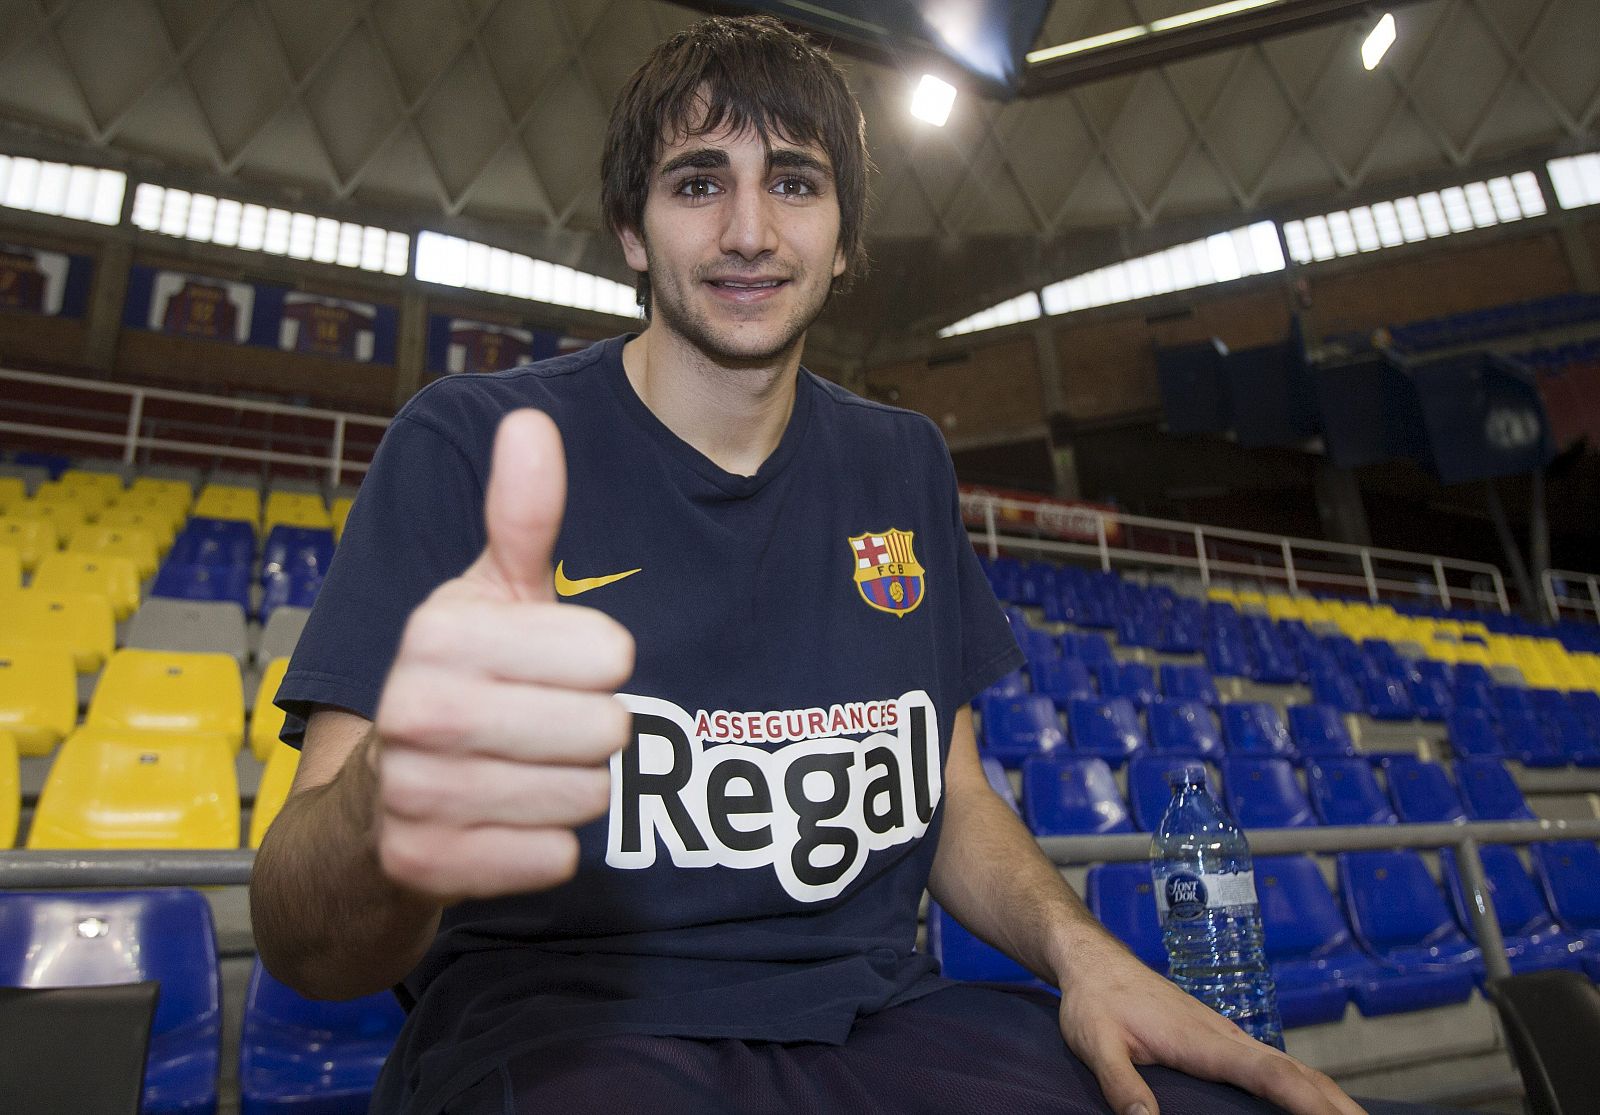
805,637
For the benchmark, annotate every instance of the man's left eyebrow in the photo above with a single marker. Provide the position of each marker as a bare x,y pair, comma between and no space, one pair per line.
787,158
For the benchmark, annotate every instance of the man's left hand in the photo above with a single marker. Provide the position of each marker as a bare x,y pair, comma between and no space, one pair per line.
1117,1013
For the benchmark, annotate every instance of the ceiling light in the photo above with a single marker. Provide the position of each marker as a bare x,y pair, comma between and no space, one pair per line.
1154,27
932,100
1379,42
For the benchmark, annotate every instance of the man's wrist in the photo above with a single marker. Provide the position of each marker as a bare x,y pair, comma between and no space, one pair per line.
1078,946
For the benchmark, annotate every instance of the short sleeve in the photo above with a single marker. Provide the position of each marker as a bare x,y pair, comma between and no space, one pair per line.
417,522
989,650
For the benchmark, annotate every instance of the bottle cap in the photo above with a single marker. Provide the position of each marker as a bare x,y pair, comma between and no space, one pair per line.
1186,774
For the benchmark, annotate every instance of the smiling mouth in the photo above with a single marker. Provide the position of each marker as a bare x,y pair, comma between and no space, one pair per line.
743,284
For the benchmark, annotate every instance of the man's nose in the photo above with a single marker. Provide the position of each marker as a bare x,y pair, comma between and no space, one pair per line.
750,230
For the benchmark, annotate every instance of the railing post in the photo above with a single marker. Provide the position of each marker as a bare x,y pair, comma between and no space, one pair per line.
1480,908
336,455
1594,595
1100,539
1288,567
130,451
1366,569
1200,552
1444,587
1500,591
988,527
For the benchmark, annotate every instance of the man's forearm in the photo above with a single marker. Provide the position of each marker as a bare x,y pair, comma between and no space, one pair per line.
326,919
991,874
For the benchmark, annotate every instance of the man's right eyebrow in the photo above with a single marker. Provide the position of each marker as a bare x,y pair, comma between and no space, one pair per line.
701,158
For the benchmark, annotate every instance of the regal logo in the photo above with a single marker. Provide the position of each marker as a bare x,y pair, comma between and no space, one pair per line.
887,572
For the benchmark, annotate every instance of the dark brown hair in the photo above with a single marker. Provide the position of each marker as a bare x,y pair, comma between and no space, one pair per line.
749,72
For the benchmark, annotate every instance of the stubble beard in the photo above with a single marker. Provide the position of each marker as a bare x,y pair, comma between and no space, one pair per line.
673,307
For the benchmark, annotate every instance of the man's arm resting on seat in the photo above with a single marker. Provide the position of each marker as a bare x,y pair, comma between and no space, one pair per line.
1115,1012
327,920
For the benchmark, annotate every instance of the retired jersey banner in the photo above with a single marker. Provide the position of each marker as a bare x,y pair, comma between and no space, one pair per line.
202,307
458,344
50,284
1031,513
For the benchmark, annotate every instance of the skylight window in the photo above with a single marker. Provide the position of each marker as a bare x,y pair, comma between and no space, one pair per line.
452,261
1576,179
83,193
257,228
1406,220
1235,254
1024,307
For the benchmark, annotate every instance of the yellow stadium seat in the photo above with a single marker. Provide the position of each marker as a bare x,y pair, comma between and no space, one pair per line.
107,483
111,788
171,693
162,526
137,545
67,514
38,696
116,578
88,497
342,505
1280,606
80,623
267,719
178,491
224,501
10,569
13,489
273,791
30,536
295,509
11,790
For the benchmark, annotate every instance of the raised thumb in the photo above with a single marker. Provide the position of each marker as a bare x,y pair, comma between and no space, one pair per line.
523,507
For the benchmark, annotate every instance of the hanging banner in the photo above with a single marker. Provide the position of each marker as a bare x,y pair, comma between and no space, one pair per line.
202,307
464,345
1029,512
50,284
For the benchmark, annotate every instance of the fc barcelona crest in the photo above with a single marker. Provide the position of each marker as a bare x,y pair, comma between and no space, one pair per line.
887,572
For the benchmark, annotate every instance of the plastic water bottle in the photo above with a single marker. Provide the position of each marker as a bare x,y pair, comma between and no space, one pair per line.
1211,922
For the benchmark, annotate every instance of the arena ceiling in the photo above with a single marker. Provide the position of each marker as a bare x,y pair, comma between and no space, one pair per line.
484,118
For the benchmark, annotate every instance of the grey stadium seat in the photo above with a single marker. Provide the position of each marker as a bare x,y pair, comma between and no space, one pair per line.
281,633
190,625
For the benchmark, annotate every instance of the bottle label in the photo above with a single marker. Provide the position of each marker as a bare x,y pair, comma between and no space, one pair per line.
1185,894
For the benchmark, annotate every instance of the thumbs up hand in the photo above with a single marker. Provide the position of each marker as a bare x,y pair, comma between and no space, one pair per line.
499,718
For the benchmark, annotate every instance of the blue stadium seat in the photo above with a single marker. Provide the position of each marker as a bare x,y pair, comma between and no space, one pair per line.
1188,683
1264,793
962,956
1065,795
1586,705
1568,871
1320,731
1512,698
1039,647
1569,735
1254,728
85,938
1063,680
1387,696
1014,684
1016,727
1185,728
1088,647
1489,792
1133,680
209,583
1473,687
1330,685
296,549
1526,739
1310,947
1123,897
1149,792
1533,940
295,590
1107,729
222,543
1431,692
994,772
1473,732
300,1056
1400,916
1421,791
1346,792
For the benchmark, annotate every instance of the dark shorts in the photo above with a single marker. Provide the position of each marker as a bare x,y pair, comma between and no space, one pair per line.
971,1048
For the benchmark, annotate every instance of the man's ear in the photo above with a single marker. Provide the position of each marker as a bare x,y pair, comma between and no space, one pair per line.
839,261
633,249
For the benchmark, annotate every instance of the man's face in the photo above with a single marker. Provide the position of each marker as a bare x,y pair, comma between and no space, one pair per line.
741,242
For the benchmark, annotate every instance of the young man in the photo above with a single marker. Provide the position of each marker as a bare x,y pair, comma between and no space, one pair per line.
660,848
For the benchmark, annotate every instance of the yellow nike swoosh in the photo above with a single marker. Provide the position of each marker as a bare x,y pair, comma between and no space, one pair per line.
567,586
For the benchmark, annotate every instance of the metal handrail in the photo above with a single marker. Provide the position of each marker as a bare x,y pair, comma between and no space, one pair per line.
1558,600
1284,547
21,870
132,439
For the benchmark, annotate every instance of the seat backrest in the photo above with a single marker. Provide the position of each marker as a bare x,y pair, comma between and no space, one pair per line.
170,692
1254,728
1068,795
1109,728
1346,792
1392,901
274,1014
1519,908
82,622
1264,793
1149,792
116,578
1320,730
1062,679
266,718
1187,683
1299,915
1133,680
1472,732
1023,725
962,956
1569,871
993,772
194,626
1421,792
38,698
1186,726
1123,897
273,790
10,789
1489,792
